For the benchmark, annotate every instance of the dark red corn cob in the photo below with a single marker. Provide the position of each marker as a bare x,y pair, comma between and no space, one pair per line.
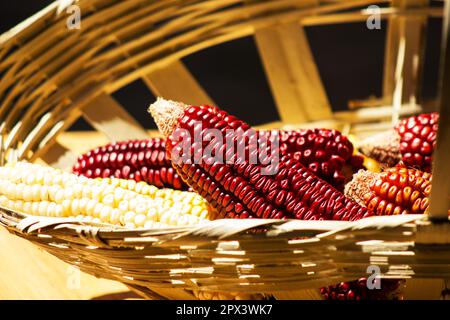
358,290
397,190
418,140
140,160
412,141
327,153
238,189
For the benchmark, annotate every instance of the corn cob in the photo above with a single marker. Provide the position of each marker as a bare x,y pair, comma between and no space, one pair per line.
208,179
139,160
397,190
411,141
237,189
418,140
40,190
327,153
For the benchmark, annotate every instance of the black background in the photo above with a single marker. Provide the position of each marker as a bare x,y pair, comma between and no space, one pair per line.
349,56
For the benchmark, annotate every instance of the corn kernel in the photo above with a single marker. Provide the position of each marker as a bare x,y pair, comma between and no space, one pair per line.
26,206
51,212
90,206
43,206
35,208
78,190
82,205
59,196
183,220
43,193
105,214
123,184
123,206
56,179
96,220
18,205
139,220
67,207
130,225
97,209
75,207
115,216
48,180
59,211
131,184
30,179
196,211
129,217
118,195
108,199
141,208
148,224
152,214
139,187
204,214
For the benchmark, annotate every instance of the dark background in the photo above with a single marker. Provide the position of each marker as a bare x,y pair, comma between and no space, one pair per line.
349,57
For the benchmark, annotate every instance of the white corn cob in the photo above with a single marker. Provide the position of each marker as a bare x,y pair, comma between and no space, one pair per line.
41,190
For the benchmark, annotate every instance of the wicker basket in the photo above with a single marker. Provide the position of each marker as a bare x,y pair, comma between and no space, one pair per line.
51,76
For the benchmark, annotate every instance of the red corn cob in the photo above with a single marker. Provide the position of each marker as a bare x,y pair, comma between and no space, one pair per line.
140,160
237,188
412,141
397,190
418,140
232,189
326,153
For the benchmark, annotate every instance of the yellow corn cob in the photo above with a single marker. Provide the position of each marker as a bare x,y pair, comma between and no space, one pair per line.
41,190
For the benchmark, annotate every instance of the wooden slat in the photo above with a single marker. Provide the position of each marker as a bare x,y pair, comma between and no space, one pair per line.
107,116
175,82
440,189
293,76
59,157
404,54
374,113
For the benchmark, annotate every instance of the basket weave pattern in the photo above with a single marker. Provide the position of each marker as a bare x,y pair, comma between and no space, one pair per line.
49,77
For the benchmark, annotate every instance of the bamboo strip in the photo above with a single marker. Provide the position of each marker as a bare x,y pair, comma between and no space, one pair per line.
295,81
176,83
440,189
404,46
